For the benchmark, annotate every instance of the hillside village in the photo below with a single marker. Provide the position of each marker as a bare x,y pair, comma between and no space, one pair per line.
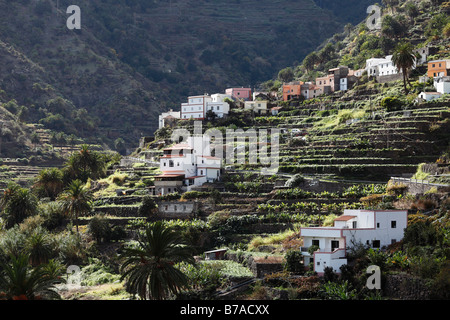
291,190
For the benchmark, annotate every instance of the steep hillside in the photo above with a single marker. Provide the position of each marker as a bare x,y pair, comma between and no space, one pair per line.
132,59
420,22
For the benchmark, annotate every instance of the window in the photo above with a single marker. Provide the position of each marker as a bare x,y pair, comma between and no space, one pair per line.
334,245
375,243
315,242
378,224
201,172
164,164
393,224
354,224
393,241
171,163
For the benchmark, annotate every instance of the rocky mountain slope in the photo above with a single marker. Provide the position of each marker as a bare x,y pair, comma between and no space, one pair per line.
133,59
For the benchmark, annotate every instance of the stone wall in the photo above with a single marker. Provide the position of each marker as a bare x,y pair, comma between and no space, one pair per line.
261,266
390,78
177,209
406,287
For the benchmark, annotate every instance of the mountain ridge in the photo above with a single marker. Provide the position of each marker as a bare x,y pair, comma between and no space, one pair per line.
131,60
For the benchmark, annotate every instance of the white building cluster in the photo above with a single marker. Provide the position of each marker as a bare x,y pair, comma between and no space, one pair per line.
372,228
187,165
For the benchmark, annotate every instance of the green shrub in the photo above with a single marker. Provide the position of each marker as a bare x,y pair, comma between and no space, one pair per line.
293,261
99,228
147,207
391,103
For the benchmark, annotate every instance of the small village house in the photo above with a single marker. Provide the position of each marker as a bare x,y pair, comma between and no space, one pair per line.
240,93
438,68
168,118
377,67
373,228
187,165
428,96
258,107
310,91
198,106
442,84
292,90
333,80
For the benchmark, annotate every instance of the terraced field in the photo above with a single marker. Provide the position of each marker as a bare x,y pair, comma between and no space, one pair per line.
374,147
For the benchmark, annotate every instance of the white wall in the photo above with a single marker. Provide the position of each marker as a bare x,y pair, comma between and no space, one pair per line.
441,85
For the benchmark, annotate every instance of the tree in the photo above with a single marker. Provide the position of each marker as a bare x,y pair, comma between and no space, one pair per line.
327,53
35,139
286,74
85,164
293,261
119,145
211,115
49,183
310,61
76,200
147,206
19,281
149,268
404,59
39,247
17,204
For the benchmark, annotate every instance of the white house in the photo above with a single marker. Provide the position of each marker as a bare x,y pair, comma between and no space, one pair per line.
442,84
165,117
218,104
195,108
428,96
187,165
381,67
374,228
198,106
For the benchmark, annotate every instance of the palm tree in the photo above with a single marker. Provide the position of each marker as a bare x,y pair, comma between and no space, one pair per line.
149,267
404,59
49,183
17,204
76,200
39,247
18,281
85,164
